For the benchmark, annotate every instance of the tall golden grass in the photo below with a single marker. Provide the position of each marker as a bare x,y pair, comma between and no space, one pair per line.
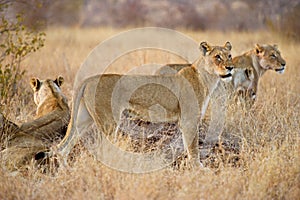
269,165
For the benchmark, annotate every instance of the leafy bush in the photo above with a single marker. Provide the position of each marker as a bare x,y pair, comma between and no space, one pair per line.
16,42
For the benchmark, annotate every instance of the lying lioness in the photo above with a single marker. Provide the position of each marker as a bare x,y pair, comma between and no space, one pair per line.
22,143
182,96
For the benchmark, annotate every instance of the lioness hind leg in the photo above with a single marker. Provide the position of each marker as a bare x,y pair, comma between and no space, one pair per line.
84,119
78,126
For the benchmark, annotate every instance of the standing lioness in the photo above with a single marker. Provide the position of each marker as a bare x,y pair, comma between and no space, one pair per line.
259,59
182,96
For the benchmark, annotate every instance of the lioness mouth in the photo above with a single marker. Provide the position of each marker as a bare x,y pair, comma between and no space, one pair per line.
226,76
279,70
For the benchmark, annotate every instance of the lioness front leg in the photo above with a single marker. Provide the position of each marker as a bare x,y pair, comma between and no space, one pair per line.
193,153
217,118
190,142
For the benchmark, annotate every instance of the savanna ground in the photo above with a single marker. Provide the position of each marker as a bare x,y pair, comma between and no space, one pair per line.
268,165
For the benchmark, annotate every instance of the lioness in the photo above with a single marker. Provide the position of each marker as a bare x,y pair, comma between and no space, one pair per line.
100,98
52,116
259,60
52,108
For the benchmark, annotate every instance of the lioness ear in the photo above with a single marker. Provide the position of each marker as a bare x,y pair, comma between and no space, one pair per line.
258,49
275,46
35,84
228,46
59,81
204,47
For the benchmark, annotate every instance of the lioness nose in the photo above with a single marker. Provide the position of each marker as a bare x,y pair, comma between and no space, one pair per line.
283,64
229,68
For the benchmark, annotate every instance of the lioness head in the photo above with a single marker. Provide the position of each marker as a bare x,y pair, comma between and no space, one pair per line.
42,89
270,58
218,60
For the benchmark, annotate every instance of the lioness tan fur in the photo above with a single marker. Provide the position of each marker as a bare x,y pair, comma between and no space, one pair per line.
52,117
100,98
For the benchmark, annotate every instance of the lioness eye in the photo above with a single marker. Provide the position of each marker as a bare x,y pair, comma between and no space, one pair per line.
273,56
218,57
229,56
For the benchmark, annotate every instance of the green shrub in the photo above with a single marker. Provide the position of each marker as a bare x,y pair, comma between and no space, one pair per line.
16,43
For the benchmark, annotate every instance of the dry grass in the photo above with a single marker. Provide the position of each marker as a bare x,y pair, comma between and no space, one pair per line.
268,167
